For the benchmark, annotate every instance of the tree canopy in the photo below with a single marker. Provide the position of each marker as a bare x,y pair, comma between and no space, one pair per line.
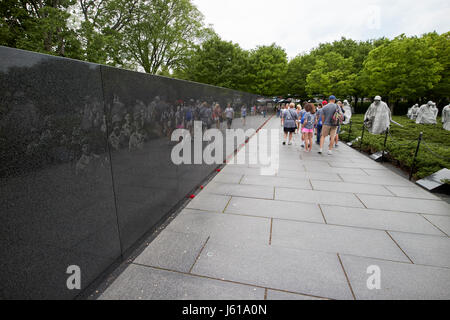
169,37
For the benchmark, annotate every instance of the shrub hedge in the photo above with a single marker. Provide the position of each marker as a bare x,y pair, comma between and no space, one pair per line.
434,151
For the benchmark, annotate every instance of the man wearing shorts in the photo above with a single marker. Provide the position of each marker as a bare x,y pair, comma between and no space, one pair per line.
288,118
328,129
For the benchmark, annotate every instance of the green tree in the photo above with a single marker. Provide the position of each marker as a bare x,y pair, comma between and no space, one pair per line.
267,69
441,43
297,72
405,67
301,66
162,33
40,25
101,29
332,74
219,63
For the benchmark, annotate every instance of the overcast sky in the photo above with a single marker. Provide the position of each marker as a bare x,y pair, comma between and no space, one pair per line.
298,25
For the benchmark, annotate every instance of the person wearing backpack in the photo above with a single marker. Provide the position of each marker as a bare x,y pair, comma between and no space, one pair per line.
319,120
308,126
338,131
331,118
288,118
301,117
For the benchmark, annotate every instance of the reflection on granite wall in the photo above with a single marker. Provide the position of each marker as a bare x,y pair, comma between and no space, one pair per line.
85,164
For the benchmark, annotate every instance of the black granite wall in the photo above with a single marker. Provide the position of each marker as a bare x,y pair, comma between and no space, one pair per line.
85,168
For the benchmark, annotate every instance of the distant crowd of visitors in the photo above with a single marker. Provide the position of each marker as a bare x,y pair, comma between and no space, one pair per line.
322,119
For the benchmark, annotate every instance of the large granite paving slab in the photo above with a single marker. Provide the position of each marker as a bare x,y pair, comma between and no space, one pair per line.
319,197
228,178
221,227
235,169
299,271
381,172
412,192
405,204
139,282
360,164
379,219
309,175
350,187
240,190
442,222
293,181
338,239
398,281
425,249
282,295
353,171
387,181
275,209
173,250
209,202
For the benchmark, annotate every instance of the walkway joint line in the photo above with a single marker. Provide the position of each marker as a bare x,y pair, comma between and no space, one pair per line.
231,281
270,236
399,246
434,225
321,211
356,195
226,206
346,276
198,255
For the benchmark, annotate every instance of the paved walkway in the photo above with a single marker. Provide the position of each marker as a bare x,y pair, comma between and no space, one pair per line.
309,232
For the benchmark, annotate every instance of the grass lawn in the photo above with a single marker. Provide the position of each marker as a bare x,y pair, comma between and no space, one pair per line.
434,152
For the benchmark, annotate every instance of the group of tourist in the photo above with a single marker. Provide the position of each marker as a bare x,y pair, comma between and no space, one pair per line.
323,119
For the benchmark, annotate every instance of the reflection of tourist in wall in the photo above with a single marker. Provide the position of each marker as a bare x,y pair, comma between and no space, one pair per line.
244,114
229,115
115,137
179,118
164,120
136,140
86,160
126,128
216,115
188,119
205,116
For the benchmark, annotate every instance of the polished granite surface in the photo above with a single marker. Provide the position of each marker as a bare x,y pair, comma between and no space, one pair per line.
85,164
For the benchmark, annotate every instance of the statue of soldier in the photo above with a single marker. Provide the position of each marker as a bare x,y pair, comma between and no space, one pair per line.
411,110
414,111
347,111
446,117
426,114
378,117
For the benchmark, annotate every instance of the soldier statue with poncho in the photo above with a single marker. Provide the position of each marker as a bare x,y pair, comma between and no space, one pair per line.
446,117
347,112
378,117
427,114
412,112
